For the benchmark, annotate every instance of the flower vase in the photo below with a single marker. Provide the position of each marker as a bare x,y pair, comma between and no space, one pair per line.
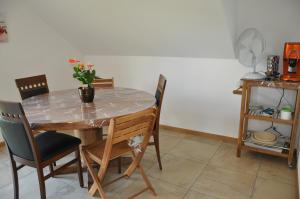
86,94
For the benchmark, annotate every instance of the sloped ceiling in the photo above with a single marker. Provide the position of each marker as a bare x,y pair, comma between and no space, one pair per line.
175,28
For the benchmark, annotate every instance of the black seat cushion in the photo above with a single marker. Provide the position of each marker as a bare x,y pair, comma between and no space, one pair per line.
52,143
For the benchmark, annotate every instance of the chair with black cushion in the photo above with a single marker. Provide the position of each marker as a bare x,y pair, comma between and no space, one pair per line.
159,95
37,151
32,86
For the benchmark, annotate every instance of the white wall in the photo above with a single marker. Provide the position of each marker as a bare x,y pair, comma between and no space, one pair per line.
33,48
278,21
176,28
198,93
231,13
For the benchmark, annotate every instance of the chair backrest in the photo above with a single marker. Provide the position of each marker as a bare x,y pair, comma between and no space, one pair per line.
123,128
128,126
159,95
15,130
32,86
103,83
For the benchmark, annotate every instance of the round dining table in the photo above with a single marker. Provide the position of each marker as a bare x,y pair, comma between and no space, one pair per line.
63,110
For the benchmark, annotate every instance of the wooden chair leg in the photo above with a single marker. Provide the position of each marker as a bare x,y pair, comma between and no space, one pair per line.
41,183
51,170
149,185
94,176
79,167
120,165
15,178
156,144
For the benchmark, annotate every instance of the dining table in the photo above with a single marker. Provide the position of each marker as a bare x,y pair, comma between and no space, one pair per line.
63,110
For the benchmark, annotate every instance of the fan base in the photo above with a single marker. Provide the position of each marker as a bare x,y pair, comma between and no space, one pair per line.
253,76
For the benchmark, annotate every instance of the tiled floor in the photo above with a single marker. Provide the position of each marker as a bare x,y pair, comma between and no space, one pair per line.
193,168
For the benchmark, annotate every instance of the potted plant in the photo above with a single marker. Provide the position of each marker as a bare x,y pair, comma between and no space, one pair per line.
286,113
86,75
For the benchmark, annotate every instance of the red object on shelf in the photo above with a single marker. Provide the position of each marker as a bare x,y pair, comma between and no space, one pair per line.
291,62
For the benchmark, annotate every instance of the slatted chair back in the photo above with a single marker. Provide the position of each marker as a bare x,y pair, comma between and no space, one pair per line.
103,83
16,131
126,127
32,86
132,125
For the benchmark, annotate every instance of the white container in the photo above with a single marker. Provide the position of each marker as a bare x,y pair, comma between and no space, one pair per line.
285,115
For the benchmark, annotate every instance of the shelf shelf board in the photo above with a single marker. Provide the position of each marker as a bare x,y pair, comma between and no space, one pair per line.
265,151
282,143
274,84
270,119
238,91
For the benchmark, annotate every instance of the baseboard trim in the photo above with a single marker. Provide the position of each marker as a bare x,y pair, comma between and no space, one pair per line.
2,144
188,132
199,133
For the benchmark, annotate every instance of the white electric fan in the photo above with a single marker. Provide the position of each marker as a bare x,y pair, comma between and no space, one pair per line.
249,50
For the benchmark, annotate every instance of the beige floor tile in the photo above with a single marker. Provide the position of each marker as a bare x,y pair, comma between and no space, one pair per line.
222,183
277,169
177,171
169,133
183,157
164,191
3,154
125,188
226,158
149,160
166,143
196,195
29,188
6,173
202,139
196,149
271,189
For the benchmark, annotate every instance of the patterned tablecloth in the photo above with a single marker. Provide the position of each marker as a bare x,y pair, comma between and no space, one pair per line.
64,108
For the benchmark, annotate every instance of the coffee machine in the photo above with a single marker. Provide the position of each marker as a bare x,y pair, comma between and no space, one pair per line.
291,61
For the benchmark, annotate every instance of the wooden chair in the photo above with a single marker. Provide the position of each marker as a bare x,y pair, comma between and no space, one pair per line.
32,86
159,95
103,83
119,132
35,151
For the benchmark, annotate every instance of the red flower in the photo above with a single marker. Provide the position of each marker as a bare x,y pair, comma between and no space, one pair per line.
73,61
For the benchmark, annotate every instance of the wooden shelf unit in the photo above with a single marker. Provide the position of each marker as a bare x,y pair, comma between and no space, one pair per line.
238,91
270,119
245,117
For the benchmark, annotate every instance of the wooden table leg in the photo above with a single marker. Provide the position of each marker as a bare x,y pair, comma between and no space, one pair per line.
89,136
